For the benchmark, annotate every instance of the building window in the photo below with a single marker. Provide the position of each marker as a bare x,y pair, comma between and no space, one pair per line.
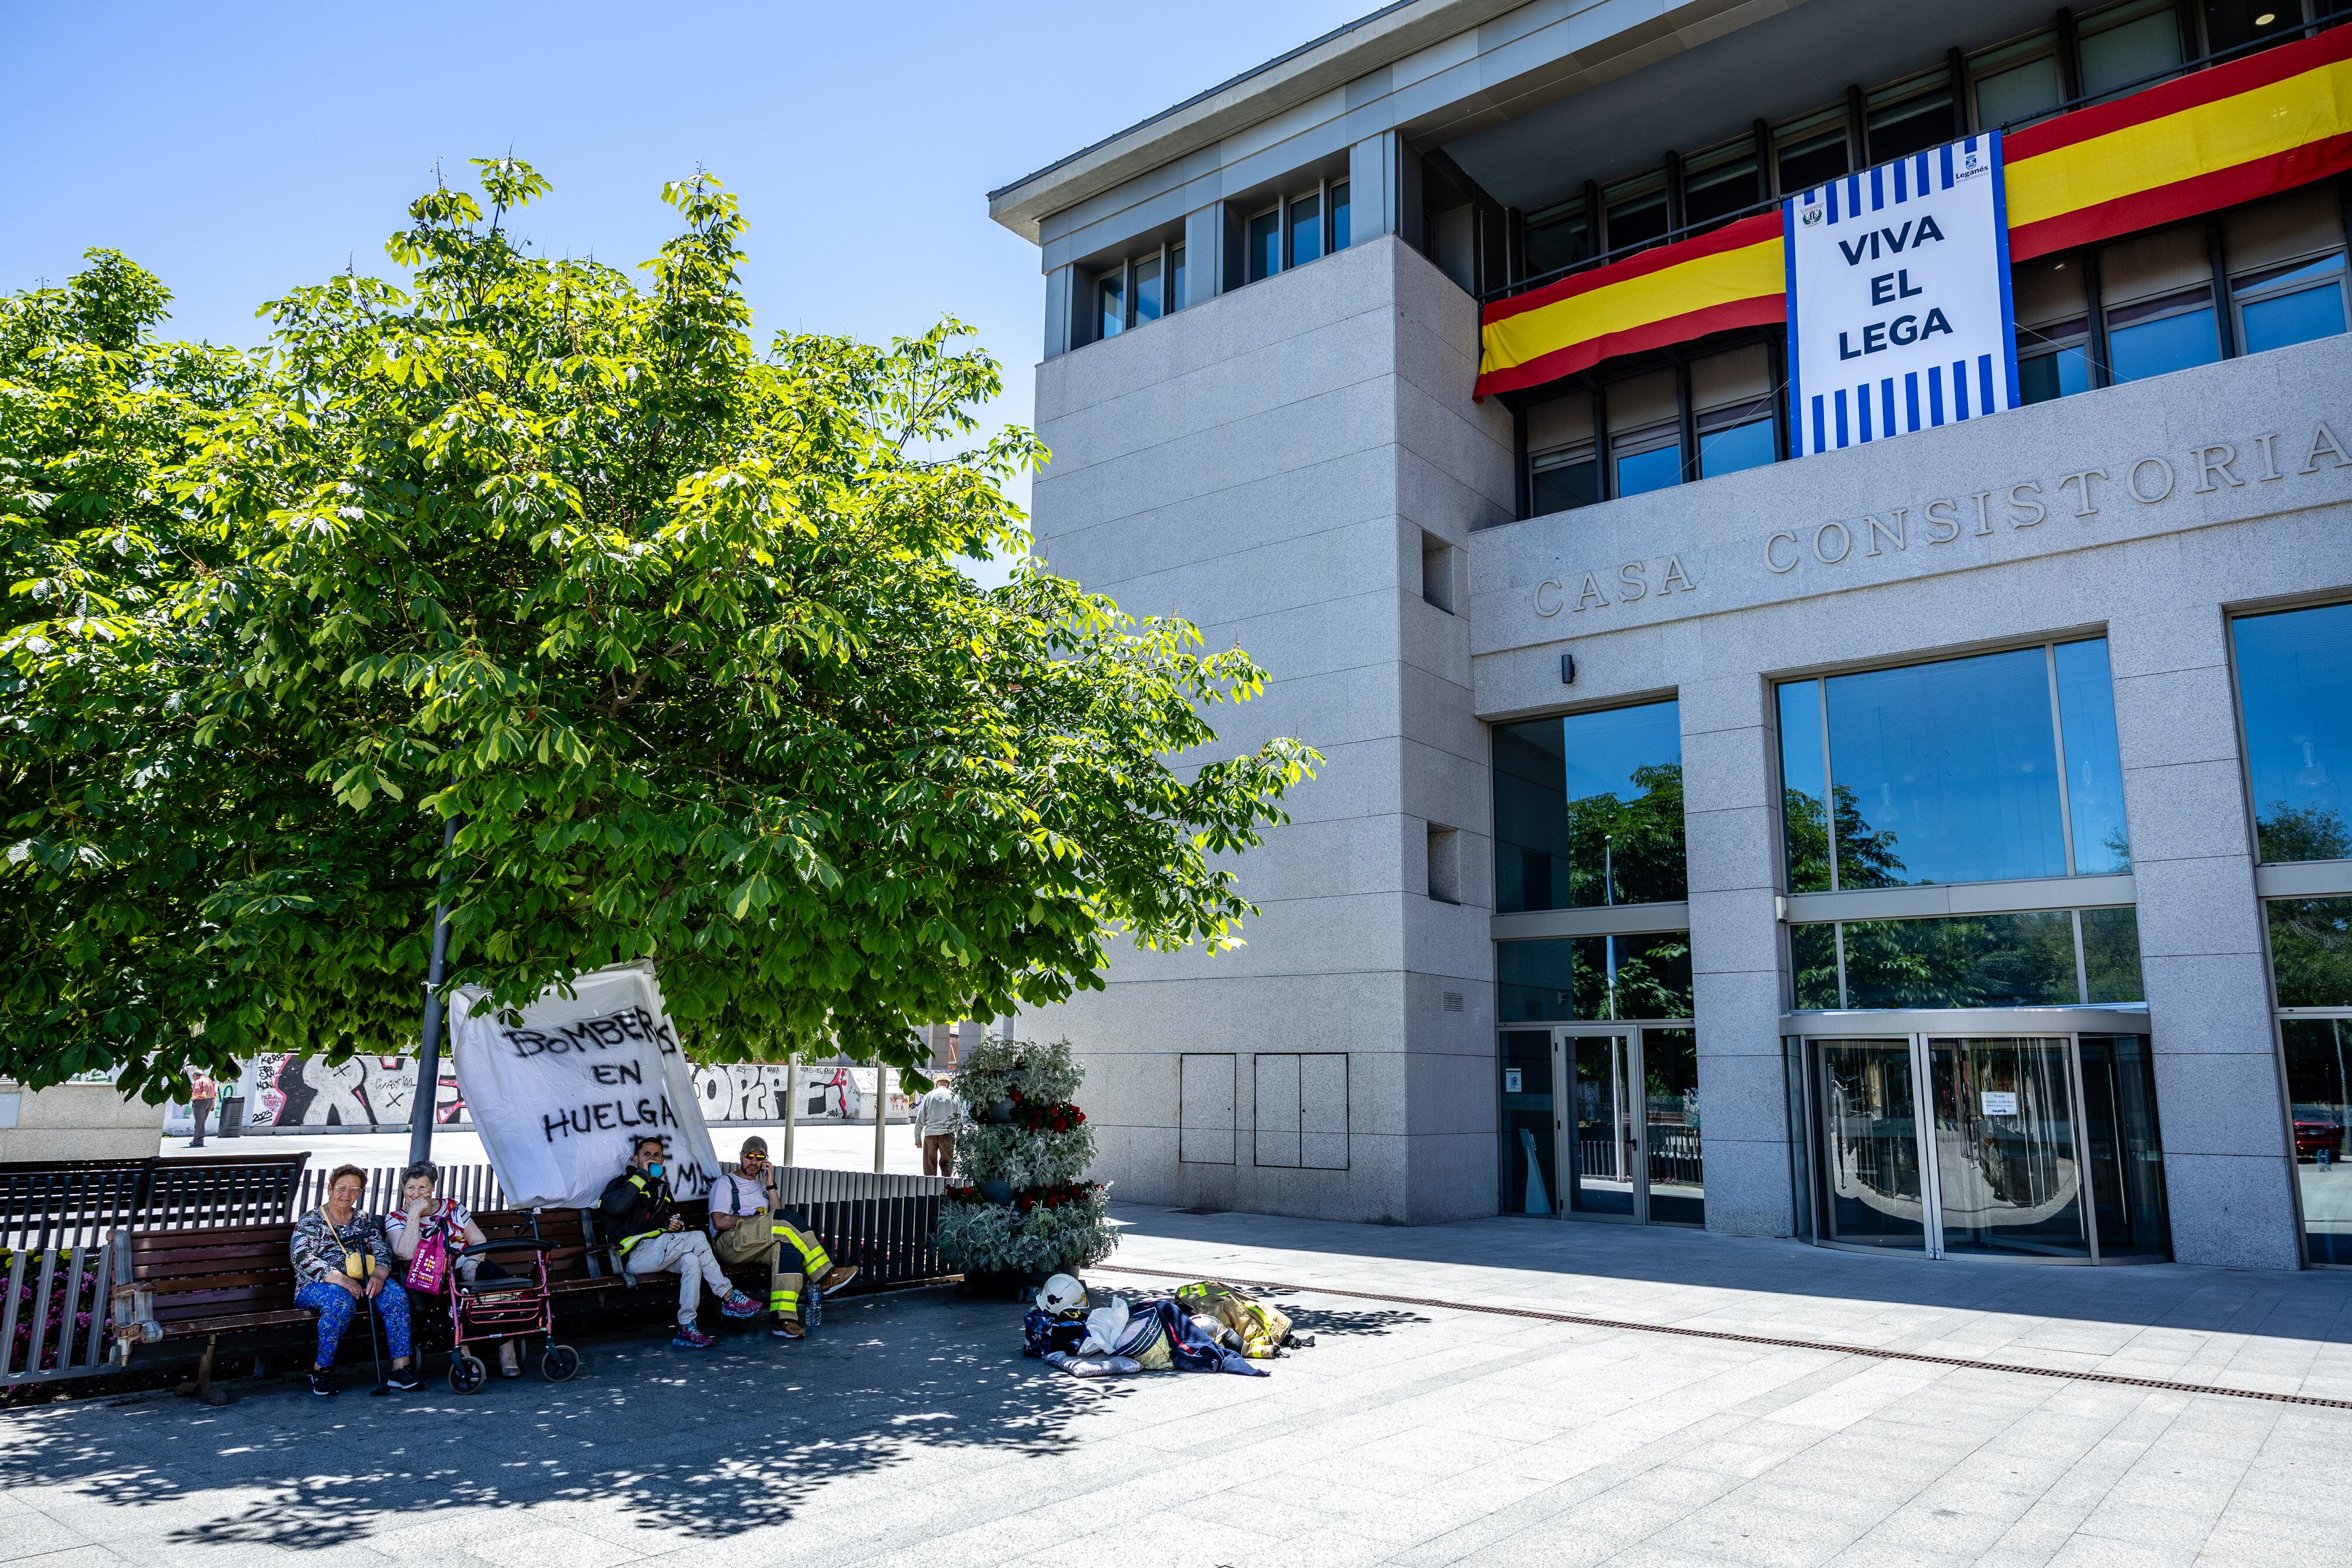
1948,772
1306,228
1812,150
1341,215
2294,698
1555,237
1645,434
2055,958
1265,243
1140,289
1577,979
2017,81
2126,42
1589,811
1636,210
1732,394
1912,116
1720,181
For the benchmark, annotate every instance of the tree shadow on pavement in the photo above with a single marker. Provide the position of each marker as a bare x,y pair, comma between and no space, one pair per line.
707,1443
1334,1323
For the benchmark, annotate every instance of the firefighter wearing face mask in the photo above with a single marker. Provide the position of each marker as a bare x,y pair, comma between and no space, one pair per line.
640,1217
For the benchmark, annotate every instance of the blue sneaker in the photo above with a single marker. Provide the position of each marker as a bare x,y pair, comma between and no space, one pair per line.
689,1338
739,1306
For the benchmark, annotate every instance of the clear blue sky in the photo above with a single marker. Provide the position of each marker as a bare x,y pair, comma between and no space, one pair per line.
237,150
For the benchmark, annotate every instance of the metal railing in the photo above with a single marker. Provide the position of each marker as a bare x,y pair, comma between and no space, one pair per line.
53,1325
76,1203
475,1187
2104,95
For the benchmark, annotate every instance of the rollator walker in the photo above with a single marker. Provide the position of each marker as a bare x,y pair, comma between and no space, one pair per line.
510,1306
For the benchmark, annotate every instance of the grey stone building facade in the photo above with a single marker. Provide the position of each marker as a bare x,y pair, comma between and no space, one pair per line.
1924,846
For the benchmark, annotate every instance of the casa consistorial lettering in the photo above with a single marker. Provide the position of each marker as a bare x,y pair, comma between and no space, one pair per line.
1601,588
2148,481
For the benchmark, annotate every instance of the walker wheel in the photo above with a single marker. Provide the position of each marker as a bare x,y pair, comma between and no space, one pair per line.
467,1374
559,1365
812,1308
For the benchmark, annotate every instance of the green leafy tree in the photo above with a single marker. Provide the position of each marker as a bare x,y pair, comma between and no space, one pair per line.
1866,856
668,627
1629,851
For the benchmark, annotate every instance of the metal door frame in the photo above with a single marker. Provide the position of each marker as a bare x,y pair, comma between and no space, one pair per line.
1917,1028
1636,1106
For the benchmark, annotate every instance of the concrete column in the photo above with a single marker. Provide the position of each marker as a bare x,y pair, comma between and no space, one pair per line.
1059,281
1372,187
1736,962
2228,1170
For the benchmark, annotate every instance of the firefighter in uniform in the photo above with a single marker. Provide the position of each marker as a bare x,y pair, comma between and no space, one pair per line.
748,1224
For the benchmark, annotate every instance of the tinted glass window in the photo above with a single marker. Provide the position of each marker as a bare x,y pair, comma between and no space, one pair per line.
1146,289
1559,485
1557,239
1305,230
1808,161
2229,23
1737,446
1720,191
2294,692
2278,318
1912,126
2148,42
2054,375
1589,811
1339,215
1653,470
2317,1051
1111,295
2311,952
2018,91
2167,343
1970,961
1265,245
1574,979
1805,833
2094,779
1176,295
1640,218
1947,772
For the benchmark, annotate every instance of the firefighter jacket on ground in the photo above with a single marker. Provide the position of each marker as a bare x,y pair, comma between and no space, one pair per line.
1262,1326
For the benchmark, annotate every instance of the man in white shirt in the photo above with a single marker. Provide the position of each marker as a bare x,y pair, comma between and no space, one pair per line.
937,1115
748,1224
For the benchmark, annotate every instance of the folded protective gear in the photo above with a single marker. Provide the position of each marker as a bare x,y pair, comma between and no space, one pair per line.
1263,1327
1050,1333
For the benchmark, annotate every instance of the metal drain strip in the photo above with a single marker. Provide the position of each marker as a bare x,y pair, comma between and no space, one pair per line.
1583,1321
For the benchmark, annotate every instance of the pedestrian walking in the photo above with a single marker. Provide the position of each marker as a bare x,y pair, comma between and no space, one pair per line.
937,1115
202,1093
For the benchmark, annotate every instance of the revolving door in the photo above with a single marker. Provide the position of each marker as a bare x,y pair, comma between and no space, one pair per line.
2008,1136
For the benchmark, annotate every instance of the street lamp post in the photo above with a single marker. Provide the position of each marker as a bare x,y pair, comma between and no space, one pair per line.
428,1051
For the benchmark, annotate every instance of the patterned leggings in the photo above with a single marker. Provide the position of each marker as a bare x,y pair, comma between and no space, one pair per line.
336,1308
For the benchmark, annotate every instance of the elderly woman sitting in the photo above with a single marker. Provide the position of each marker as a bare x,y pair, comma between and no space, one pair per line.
343,1261
424,1213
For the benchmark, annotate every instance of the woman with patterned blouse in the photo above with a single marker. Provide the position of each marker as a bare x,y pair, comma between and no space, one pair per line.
342,1263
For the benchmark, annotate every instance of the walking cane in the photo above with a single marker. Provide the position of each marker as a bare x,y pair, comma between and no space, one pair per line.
367,1310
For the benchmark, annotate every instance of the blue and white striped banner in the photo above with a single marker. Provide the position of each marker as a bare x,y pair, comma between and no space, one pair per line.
1899,314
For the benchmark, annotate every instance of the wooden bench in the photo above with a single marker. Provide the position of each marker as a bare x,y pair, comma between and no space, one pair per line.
232,1281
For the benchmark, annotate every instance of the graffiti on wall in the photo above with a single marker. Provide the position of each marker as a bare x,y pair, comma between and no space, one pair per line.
376,1091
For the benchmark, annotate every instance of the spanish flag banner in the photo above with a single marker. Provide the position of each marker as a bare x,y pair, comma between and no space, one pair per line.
2209,140
2212,139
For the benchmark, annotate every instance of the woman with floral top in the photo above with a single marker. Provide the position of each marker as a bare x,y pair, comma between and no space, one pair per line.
342,1263
423,1213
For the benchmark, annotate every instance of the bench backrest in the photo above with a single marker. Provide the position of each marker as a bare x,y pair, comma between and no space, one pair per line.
225,1271
573,1257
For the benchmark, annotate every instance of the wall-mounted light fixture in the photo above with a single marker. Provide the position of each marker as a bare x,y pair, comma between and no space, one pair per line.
1568,669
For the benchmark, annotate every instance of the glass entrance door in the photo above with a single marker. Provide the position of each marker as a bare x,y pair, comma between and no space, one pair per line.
1629,1130
2023,1146
2008,1167
1600,1156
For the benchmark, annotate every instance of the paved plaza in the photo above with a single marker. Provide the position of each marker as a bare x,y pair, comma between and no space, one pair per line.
910,1430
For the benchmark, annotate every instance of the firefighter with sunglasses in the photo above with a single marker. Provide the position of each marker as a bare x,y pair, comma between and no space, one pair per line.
749,1225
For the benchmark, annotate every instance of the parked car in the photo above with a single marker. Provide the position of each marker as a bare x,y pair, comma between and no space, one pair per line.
2312,1137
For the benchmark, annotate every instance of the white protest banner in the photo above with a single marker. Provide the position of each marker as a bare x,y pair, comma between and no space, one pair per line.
1899,314
559,1097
